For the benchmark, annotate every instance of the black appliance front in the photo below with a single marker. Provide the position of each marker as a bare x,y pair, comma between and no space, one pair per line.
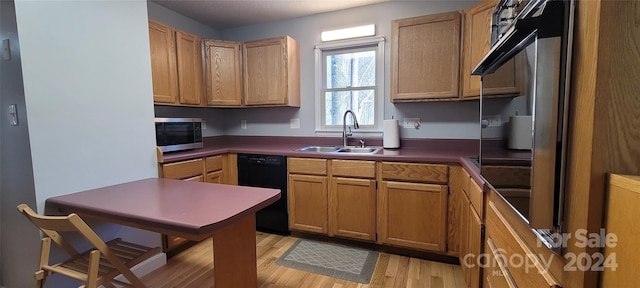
267,171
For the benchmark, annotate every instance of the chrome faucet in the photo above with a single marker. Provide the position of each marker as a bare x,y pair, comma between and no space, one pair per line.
344,126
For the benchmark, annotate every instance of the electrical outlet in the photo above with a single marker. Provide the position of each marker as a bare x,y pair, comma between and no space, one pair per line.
295,123
204,124
494,120
411,123
243,124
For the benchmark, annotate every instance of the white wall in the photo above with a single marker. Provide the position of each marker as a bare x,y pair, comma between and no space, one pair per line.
87,83
439,120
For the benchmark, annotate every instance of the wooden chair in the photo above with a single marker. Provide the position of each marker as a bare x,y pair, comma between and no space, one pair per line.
96,266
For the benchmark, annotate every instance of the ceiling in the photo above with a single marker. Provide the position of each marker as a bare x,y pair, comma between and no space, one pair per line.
224,14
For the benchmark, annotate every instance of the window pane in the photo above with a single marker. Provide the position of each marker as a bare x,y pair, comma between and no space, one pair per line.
355,69
361,102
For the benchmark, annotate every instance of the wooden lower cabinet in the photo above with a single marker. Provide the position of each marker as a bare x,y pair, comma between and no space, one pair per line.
215,177
352,208
474,272
413,215
207,169
308,196
308,203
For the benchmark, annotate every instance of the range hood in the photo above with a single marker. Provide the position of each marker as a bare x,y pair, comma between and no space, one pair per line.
546,22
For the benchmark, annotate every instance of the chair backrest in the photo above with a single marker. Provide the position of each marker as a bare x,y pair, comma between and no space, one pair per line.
51,225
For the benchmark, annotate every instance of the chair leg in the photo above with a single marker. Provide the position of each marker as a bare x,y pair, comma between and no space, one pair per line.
94,264
41,275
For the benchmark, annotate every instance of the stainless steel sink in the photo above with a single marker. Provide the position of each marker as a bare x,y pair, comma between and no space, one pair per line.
339,149
319,149
364,150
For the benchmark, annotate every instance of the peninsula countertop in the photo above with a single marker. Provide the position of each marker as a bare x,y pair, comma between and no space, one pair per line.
189,209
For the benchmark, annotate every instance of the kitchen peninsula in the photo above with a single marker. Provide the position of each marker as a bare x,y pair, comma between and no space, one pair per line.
191,210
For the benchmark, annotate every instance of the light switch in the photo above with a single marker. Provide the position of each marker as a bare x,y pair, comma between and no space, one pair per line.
6,49
13,115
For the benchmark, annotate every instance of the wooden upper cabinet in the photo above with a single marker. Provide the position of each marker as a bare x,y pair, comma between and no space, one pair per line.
163,63
189,55
272,72
223,73
176,66
425,57
476,44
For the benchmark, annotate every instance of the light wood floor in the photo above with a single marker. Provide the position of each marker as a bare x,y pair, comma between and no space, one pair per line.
193,268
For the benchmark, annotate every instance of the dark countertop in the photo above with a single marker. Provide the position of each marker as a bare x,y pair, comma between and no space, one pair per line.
446,151
188,209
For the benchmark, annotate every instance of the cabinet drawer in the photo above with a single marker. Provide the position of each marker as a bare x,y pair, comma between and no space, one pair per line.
497,275
476,197
530,274
353,168
214,163
183,169
415,172
307,166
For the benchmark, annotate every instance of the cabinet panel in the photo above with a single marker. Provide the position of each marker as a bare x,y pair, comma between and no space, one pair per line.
457,204
533,274
353,168
475,249
425,57
183,169
433,173
307,166
476,44
413,215
496,275
308,203
223,73
352,208
163,63
476,196
272,72
189,59
215,177
214,163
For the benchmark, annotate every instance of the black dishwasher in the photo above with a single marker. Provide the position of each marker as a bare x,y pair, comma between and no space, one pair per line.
267,171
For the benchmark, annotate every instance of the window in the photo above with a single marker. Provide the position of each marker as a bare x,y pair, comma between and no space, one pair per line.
349,76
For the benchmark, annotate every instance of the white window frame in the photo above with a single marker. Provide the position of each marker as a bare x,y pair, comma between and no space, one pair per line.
378,91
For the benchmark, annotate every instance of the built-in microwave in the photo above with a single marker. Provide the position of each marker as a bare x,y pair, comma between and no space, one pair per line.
176,134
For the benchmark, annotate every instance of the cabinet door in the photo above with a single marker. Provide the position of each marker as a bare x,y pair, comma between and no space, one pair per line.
163,63
475,248
457,204
223,73
425,57
352,208
189,55
477,43
308,203
413,215
265,72
464,256
215,177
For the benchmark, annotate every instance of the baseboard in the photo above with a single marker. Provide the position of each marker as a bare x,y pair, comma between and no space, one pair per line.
146,266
